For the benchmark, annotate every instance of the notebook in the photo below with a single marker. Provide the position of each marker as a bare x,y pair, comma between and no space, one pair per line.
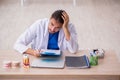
48,62
77,61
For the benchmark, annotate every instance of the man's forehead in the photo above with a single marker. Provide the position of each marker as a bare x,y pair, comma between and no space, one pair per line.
55,22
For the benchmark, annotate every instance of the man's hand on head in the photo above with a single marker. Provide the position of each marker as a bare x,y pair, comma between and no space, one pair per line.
65,19
65,25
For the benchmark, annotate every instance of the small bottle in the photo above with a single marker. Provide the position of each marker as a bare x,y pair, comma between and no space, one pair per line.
26,63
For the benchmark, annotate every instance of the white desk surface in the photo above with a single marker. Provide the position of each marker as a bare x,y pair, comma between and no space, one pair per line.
107,66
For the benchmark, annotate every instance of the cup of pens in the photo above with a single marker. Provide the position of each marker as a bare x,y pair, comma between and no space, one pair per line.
93,59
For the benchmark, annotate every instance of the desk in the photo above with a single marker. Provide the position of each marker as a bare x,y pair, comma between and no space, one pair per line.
108,69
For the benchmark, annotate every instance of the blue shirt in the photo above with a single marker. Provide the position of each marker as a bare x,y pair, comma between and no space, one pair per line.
53,41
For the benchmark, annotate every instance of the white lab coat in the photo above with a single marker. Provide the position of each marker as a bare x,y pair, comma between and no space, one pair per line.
37,34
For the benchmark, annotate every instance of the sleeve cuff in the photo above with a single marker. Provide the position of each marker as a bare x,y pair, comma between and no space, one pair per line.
20,48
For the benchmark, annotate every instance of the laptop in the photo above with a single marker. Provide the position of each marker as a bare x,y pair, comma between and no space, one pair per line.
48,62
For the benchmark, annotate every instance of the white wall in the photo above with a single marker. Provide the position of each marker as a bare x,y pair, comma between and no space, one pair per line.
97,21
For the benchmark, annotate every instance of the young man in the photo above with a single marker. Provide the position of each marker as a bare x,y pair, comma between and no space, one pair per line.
56,33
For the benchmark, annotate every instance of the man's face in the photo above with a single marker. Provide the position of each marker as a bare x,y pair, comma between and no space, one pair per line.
54,26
